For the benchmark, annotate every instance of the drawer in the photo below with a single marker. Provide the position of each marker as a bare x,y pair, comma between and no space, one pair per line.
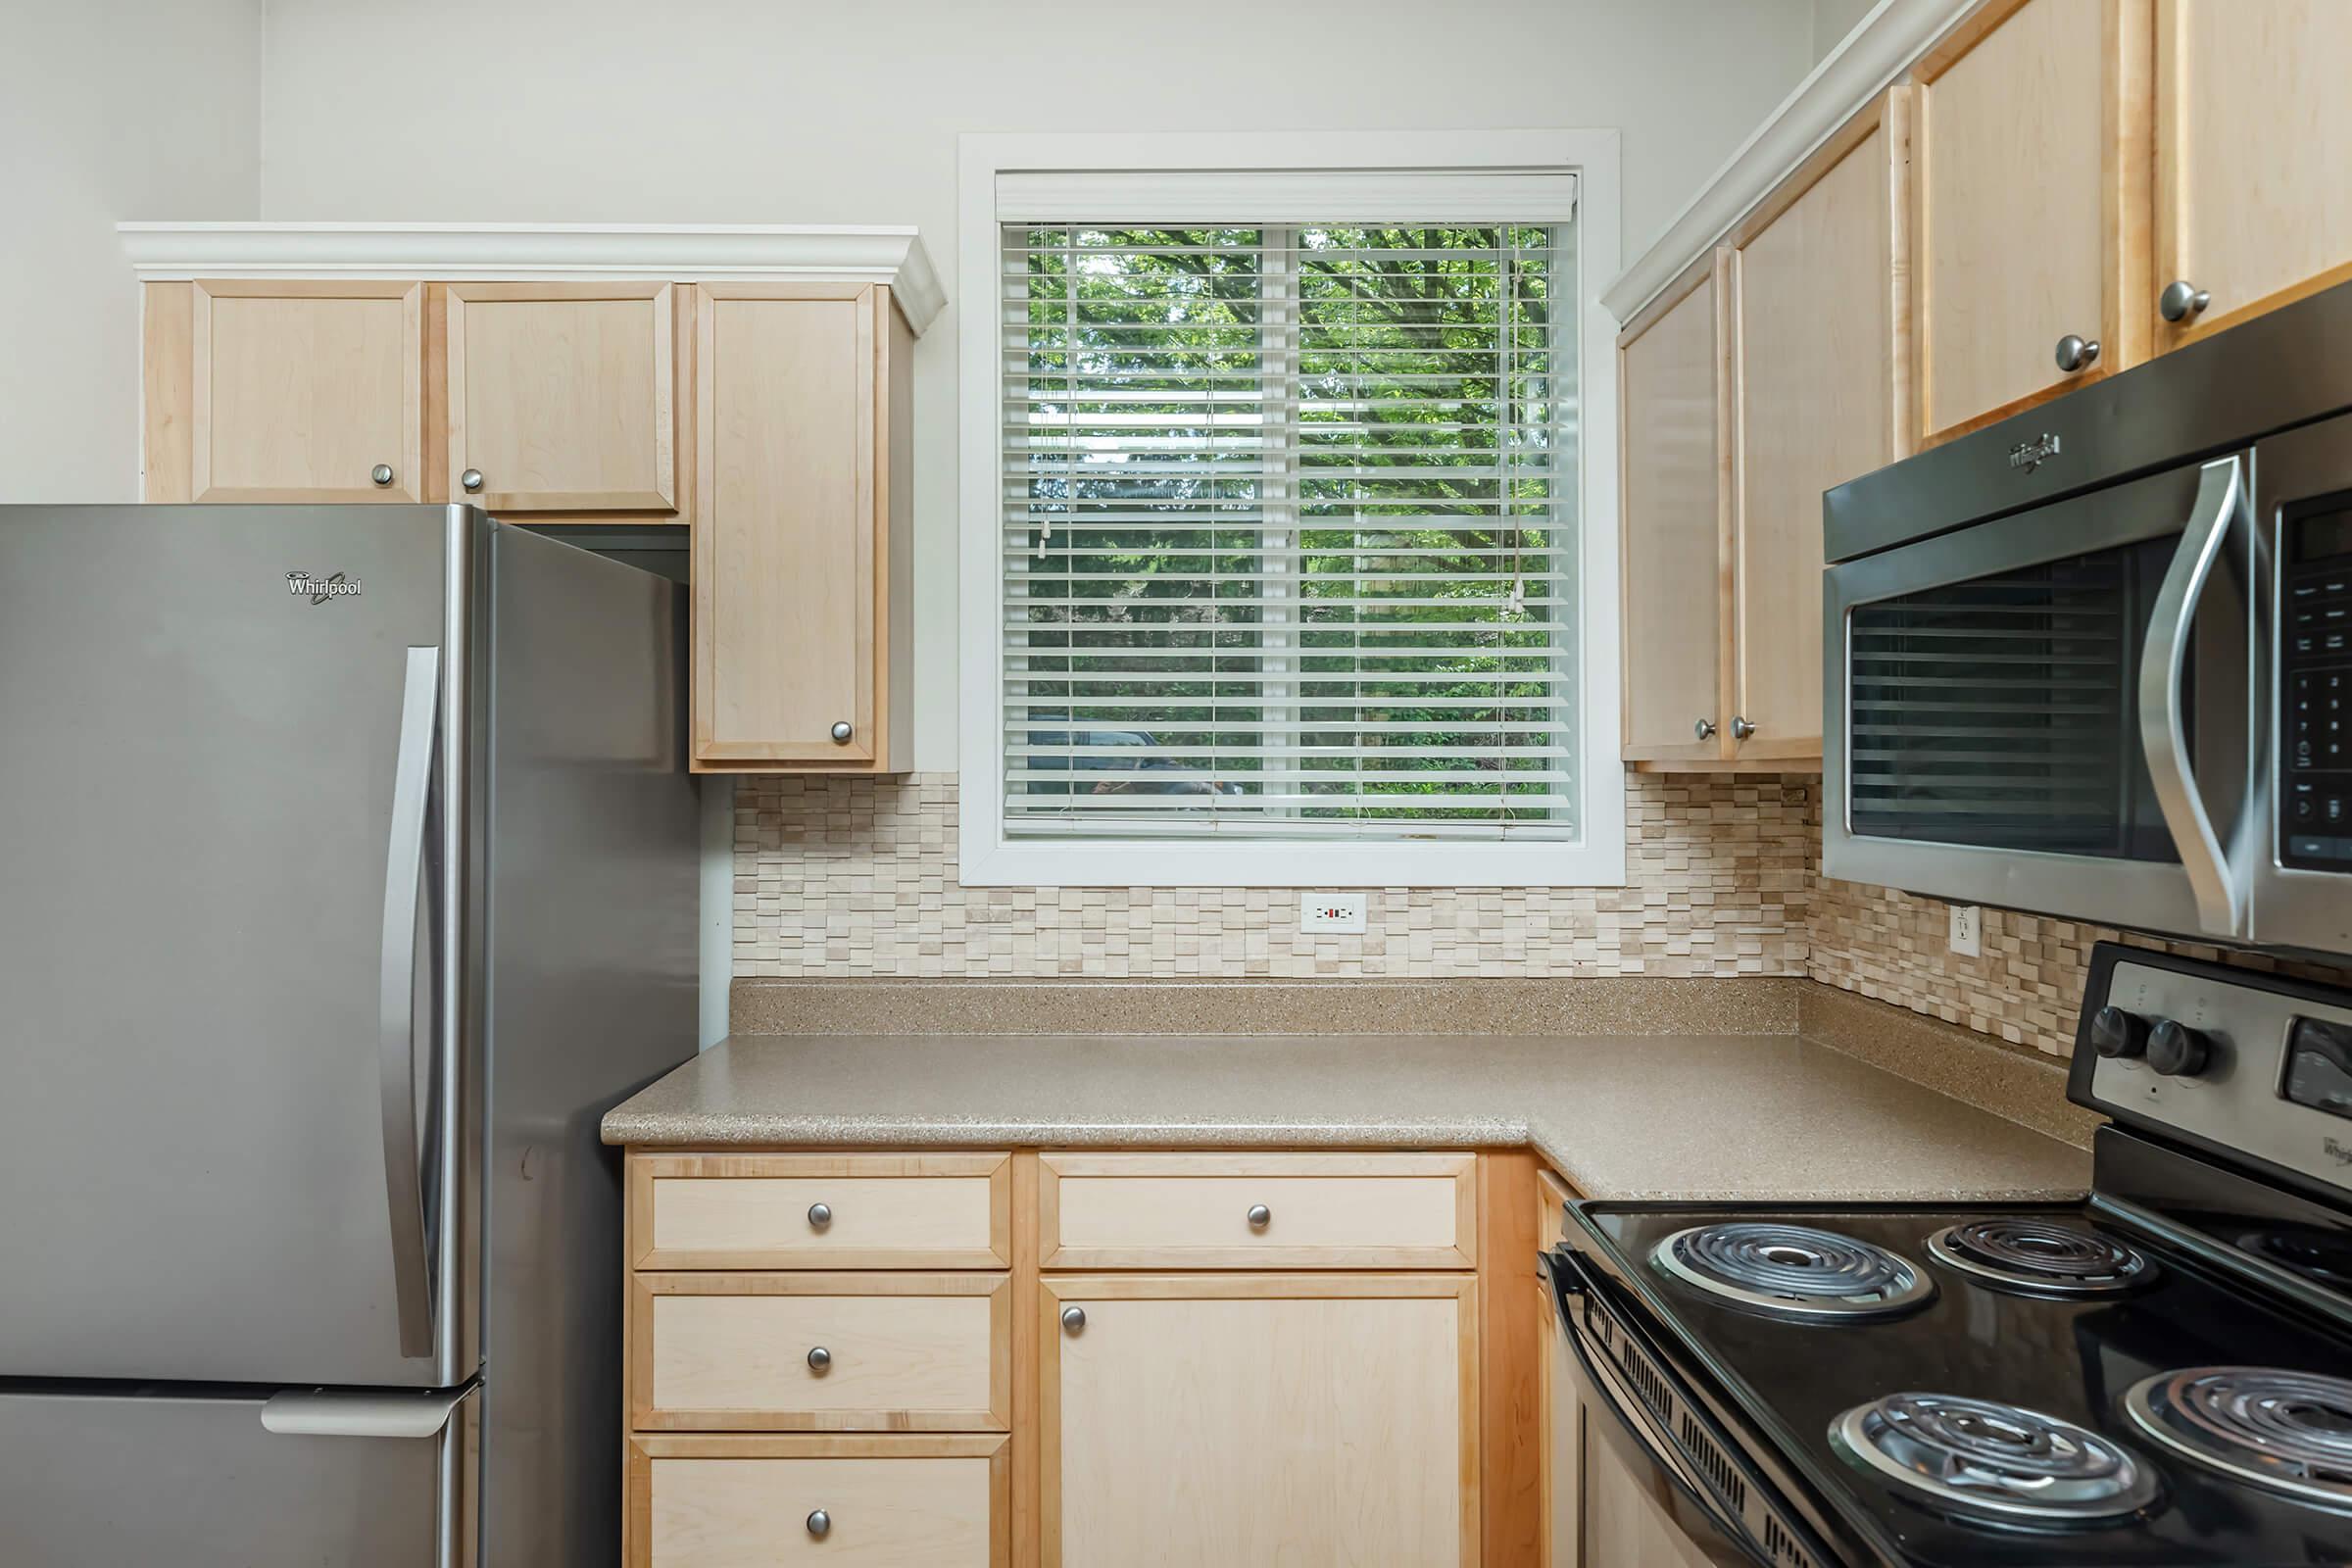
735,1212
1258,1211
901,1353
888,1503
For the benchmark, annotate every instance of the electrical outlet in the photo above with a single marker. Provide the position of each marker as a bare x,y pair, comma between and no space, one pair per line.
1968,930
1342,913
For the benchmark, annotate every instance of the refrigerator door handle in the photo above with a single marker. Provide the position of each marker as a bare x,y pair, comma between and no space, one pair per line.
361,1412
403,872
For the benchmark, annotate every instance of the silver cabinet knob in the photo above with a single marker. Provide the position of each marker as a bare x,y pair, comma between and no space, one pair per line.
1073,1318
1742,729
1704,729
1260,1217
820,1360
2181,300
842,732
820,1215
471,479
382,474
2077,352
820,1523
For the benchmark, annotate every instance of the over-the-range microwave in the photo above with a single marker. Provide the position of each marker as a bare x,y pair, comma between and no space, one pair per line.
2096,661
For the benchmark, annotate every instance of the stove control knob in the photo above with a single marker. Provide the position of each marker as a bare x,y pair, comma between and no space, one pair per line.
2178,1051
2116,1033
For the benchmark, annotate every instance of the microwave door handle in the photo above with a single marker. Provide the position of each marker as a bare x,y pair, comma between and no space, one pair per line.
404,871
2163,728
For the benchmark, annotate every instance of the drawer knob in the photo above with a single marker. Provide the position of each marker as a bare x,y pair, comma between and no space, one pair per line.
1073,1318
820,1215
820,1523
382,474
471,479
842,732
2077,352
820,1361
1704,729
1742,729
1260,1217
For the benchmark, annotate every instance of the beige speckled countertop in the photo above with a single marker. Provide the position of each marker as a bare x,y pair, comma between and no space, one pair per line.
1689,1117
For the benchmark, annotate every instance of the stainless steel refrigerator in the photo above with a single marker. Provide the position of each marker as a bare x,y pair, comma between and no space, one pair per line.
347,876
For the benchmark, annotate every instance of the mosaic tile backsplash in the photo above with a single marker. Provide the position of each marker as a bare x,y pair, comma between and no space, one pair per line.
856,877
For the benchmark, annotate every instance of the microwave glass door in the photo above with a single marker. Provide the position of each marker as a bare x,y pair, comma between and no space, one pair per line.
2037,710
2002,711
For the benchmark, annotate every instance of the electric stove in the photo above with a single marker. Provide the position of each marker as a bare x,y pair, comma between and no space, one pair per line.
2161,1374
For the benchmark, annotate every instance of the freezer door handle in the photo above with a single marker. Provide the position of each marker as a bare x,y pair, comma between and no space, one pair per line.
361,1412
403,872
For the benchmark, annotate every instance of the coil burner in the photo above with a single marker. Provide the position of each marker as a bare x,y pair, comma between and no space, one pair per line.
1982,1460
2287,1431
2037,1256
1795,1271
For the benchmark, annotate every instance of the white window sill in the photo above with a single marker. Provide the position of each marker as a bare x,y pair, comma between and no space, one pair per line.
1126,864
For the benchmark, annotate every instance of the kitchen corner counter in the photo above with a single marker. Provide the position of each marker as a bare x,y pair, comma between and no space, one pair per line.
1626,1116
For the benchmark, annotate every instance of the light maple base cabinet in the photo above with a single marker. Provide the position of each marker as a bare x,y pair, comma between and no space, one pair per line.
1259,1419
718,1502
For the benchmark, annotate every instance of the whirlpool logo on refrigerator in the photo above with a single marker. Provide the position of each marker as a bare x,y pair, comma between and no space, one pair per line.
319,590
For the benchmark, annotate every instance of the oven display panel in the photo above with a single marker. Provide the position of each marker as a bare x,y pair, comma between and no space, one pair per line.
2315,688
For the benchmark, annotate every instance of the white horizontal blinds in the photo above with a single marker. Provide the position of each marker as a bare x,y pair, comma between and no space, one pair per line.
1289,532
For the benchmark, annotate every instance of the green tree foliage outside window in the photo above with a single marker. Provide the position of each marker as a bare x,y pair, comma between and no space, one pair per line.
1290,534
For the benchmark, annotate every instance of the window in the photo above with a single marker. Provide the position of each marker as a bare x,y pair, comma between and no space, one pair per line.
1288,530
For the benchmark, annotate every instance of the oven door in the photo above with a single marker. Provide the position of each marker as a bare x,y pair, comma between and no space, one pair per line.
2053,711
1687,1498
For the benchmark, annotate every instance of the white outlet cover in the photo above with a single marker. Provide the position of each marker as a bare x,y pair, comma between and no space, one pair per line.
1968,930
1340,913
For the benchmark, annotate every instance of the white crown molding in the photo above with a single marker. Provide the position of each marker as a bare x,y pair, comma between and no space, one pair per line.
1882,46
701,253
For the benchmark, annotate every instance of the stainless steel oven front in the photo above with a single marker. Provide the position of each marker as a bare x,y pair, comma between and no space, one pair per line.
2094,661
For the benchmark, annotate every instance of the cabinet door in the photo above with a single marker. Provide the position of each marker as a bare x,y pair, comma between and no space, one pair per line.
792,539
1819,392
1674,422
303,392
1254,1419
1560,1413
560,397
2252,118
2032,159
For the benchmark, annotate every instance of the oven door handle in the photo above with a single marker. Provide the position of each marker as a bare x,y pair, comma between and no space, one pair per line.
2163,723
1568,1279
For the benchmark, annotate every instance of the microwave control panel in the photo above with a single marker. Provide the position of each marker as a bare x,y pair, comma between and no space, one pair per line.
2315,686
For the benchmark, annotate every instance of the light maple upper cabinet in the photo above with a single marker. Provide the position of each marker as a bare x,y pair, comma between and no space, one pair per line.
1259,1419
2031,155
803,551
286,391
1822,393
1674,377
562,397
586,375
2253,204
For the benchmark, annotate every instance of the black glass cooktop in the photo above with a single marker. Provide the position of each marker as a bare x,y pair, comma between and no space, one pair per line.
1789,1381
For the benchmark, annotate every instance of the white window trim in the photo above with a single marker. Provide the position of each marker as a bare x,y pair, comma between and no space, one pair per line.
987,856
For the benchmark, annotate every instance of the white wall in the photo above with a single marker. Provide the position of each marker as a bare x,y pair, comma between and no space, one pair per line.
109,110
1833,19
788,111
